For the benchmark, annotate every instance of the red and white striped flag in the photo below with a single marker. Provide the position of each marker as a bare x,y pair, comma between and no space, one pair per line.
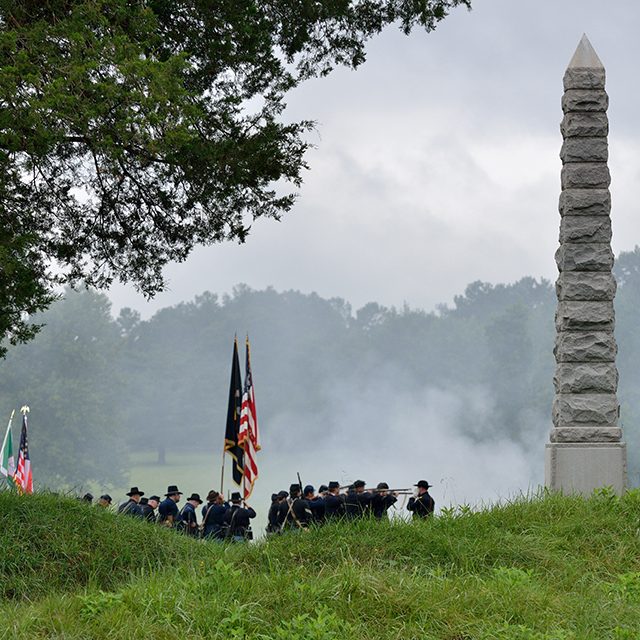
248,433
23,478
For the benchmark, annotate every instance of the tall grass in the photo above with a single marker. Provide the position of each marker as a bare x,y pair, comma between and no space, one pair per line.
51,543
547,568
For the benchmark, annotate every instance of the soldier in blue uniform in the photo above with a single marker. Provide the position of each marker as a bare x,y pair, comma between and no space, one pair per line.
213,516
153,503
272,515
148,508
298,514
144,507
238,519
423,505
131,506
168,512
188,517
333,502
316,504
382,500
358,501
280,514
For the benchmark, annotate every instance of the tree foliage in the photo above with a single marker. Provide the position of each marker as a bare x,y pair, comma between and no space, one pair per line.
132,130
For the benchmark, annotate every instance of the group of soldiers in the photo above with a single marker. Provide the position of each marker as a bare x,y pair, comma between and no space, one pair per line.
221,520
299,508
293,510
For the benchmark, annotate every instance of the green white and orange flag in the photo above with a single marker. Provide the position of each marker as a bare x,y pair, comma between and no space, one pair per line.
7,461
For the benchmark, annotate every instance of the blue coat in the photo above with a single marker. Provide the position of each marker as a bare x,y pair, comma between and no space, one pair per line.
357,504
422,506
237,519
213,519
130,508
189,520
168,508
333,506
317,506
380,504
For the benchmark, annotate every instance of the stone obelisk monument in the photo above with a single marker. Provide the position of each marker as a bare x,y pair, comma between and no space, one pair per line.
586,449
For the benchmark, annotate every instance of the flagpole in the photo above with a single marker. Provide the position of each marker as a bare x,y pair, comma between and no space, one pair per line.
4,442
243,483
5,471
222,473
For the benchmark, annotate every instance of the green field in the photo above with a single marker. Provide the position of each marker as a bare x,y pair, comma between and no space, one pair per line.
539,569
196,471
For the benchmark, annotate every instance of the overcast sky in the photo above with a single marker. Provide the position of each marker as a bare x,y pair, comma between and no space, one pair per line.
437,162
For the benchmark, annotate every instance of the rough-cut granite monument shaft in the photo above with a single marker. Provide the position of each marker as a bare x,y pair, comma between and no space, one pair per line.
586,449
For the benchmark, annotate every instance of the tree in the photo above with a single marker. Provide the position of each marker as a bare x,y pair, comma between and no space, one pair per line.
132,130
72,378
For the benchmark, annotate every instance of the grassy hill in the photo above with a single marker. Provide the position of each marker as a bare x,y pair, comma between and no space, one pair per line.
538,569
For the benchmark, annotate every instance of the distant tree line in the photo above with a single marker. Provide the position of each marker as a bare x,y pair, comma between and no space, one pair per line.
101,387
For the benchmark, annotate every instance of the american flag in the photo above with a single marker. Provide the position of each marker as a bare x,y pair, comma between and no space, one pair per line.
23,478
248,435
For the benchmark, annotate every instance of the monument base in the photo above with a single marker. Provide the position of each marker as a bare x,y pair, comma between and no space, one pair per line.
574,467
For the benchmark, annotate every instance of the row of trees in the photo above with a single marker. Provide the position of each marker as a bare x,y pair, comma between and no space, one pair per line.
101,387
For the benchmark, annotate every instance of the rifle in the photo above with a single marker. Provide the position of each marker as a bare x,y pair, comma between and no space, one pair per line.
299,482
400,492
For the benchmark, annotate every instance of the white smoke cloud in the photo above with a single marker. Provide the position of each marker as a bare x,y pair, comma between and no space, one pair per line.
380,433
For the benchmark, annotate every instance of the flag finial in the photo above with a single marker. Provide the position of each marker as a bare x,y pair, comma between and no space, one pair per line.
24,410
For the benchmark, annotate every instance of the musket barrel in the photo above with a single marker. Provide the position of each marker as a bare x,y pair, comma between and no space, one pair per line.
376,490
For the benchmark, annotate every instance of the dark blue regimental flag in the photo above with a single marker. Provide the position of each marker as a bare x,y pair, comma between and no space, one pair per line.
234,410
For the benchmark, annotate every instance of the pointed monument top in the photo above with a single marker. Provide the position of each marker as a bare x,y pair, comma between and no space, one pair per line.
585,56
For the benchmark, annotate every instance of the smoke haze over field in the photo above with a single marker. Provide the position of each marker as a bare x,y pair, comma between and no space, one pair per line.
460,399
387,434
